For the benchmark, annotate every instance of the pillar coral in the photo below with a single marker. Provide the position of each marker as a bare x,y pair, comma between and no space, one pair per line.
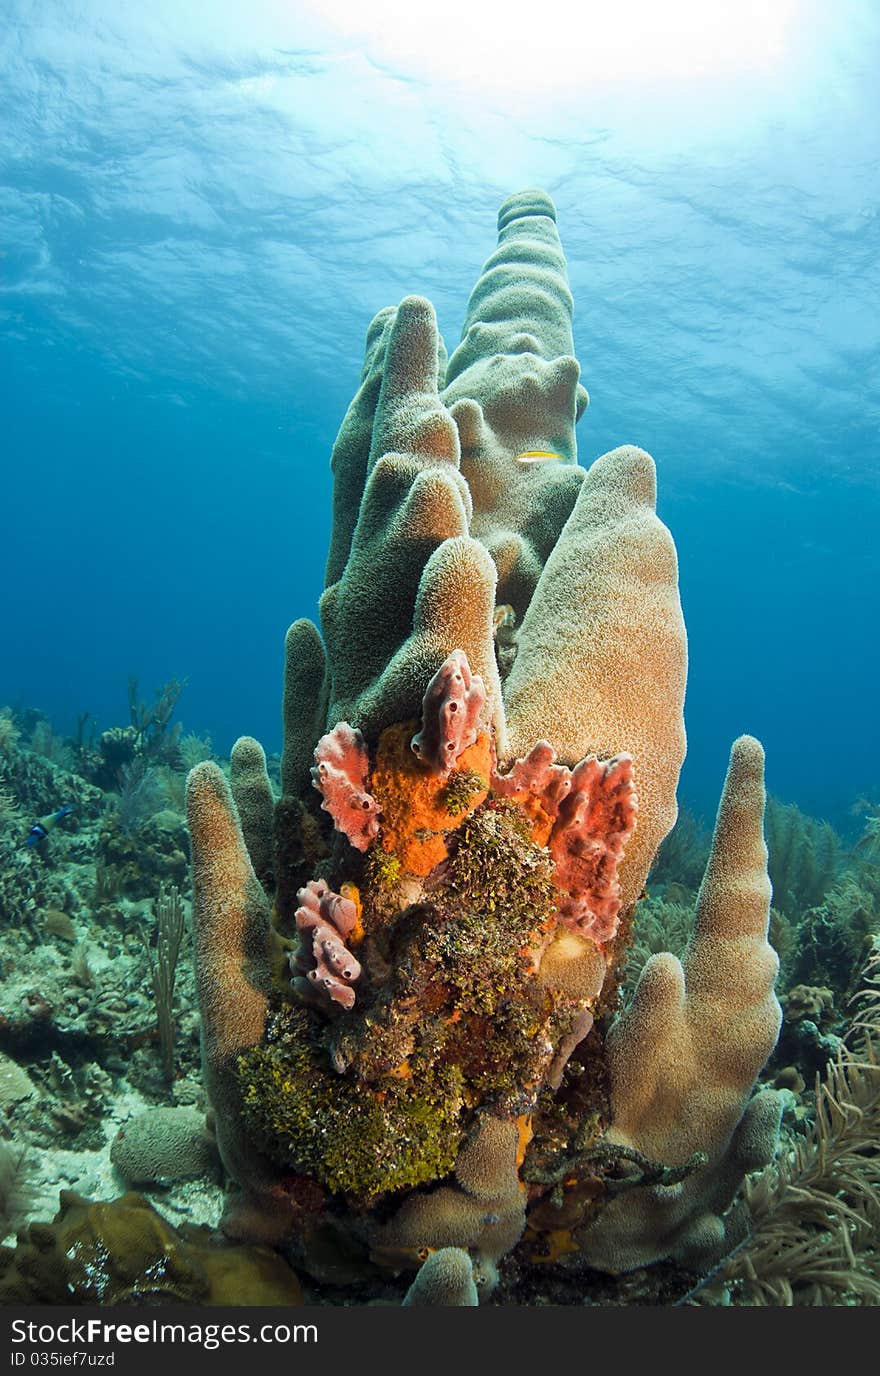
513,387
684,1056
232,941
491,713
255,803
602,654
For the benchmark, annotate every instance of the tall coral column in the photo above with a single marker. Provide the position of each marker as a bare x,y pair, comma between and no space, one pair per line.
684,1056
601,663
231,937
514,391
408,964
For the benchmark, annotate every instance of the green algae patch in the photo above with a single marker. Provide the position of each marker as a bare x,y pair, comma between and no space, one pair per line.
358,1139
463,787
448,1018
498,874
382,875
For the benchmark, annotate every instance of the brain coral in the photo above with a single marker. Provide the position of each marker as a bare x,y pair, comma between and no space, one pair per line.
492,712
163,1144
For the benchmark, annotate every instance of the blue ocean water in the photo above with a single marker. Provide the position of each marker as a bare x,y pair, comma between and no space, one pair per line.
203,205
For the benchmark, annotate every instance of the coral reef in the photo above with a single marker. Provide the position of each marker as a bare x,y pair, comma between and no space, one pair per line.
833,939
804,857
79,1044
682,856
451,1050
481,754
15,1191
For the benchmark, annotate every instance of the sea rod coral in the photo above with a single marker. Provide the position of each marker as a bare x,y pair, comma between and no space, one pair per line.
408,964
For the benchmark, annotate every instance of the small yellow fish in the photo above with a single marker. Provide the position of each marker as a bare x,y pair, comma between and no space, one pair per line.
538,456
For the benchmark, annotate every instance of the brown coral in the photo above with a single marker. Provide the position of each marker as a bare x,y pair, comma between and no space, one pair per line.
684,1056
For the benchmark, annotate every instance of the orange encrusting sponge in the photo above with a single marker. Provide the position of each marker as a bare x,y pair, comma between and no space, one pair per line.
416,818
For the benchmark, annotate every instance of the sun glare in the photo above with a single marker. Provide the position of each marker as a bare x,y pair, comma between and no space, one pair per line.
539,47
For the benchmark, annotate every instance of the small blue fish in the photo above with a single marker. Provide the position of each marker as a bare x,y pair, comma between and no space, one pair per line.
40,830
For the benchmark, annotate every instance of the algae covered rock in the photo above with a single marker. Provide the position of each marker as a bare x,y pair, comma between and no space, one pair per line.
124,1252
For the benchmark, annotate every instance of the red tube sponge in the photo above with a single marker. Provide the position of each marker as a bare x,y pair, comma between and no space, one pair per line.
451,709
342,765
595,821
324,969
585,816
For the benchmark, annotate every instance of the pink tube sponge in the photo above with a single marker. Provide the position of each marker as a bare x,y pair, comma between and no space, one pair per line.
342,765
595,821
584,816
538,776
324,969
451,709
